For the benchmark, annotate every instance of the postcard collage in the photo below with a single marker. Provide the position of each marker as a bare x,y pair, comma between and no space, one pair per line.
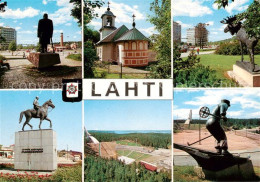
129,90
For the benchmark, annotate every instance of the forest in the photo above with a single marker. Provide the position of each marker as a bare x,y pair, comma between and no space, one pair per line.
99,169
156,140
233,123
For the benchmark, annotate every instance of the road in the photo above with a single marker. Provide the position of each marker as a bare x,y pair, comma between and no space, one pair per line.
187,53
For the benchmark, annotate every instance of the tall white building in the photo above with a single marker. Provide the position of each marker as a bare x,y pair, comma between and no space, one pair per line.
191,36
9,34
176,32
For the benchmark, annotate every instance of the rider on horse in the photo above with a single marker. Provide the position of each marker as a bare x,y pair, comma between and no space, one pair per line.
36,105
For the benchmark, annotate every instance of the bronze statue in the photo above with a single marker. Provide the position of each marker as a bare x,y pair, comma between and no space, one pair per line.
32,113
235,27
45,32
214,127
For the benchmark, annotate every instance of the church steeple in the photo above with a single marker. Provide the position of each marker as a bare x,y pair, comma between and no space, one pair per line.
133,20
108,22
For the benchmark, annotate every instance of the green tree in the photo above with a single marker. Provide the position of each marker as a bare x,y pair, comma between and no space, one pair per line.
76,10
20,46
250,17
38,47
161,19
12,46
90,37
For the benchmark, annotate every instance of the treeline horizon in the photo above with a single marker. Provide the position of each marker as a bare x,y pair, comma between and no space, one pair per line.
156,140
99,169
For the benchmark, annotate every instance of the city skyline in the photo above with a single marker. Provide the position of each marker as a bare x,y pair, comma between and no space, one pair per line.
24,16
191,12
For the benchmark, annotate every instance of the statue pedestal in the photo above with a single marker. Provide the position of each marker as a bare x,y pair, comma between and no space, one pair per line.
35,150
44,60
244,76
243,171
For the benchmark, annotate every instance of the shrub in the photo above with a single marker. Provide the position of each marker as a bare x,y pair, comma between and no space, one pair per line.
198,76
76,57
2,57
233,48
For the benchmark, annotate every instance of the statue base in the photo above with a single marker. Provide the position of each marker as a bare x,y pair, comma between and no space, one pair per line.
35,150
244,76
216,166
44,60
239,172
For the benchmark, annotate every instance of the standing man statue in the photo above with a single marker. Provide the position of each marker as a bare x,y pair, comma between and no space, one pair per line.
45,32
36,105
214,127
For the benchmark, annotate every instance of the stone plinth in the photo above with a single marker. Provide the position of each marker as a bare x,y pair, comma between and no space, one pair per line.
35,150
44,60
243,172
245,77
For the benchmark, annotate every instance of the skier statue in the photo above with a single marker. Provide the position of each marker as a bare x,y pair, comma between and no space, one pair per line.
214,127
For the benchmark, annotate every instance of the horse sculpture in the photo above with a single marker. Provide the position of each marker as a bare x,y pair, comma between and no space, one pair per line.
235,27
31,113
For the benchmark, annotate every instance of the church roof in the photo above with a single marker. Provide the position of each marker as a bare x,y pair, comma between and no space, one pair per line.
109,13
132,34
114,35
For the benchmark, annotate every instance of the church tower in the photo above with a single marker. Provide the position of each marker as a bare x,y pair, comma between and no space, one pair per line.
108,23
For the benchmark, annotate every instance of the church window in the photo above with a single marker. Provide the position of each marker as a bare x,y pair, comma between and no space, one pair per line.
141,47
126,46
133,46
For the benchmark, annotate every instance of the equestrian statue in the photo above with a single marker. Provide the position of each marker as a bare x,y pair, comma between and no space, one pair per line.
40,112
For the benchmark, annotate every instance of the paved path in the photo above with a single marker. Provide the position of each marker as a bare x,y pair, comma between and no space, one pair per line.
117,69
23,74
204,52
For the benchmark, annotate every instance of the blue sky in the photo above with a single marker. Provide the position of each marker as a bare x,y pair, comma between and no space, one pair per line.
124,10
191,12
245,103
128,115
66,117
23,15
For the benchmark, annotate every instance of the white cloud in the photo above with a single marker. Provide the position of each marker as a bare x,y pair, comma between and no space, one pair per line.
214,33
26,32
35,26
210,23
244,102
62,15
58,31
15,21
1,24
96,24
63,2
44,2
74,37
78,32
68,24
28,12
183,25
123,12
192,8
237,6
148,31
17,28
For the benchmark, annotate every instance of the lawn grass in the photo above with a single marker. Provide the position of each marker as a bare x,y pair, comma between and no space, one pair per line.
223,63
123,152
75,57
134,155
124,142
99,71
185,173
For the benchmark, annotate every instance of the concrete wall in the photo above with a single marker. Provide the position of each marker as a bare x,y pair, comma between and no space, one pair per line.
35,140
